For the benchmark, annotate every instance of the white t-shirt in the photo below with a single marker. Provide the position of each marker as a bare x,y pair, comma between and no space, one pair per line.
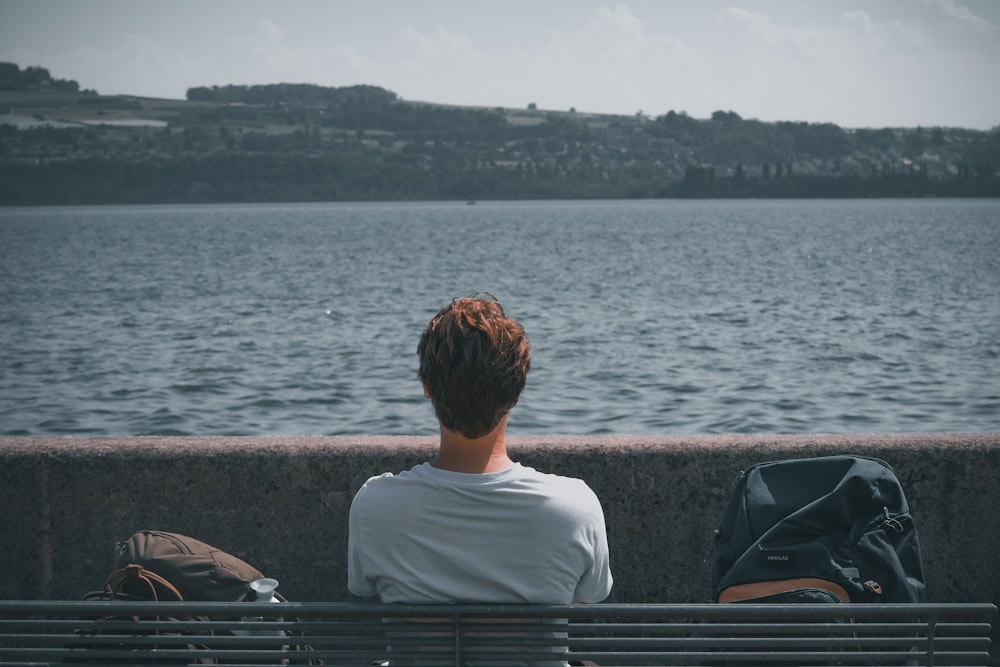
431,536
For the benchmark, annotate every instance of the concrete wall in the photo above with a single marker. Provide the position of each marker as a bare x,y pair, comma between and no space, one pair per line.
281,503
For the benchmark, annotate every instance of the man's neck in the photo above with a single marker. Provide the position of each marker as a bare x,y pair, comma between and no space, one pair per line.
485,454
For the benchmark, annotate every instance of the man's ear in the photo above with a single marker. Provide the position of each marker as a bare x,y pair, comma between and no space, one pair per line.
427,394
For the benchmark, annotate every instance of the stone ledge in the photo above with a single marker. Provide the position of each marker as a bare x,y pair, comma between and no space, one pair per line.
281,502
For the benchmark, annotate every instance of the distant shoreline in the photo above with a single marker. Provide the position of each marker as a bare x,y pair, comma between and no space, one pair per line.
283,143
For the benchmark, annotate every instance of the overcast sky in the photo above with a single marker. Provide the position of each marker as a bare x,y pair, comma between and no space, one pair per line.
856,63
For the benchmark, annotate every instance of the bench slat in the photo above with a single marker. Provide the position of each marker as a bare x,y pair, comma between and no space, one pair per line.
48,632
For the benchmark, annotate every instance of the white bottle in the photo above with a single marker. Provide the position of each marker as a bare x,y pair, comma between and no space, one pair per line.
264,589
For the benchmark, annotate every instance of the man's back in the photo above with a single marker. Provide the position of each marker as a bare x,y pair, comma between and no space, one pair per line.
430,535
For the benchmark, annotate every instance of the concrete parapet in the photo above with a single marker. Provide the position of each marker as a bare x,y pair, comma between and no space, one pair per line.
281,503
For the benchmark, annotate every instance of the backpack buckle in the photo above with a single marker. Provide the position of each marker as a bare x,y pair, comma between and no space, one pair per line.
873,586
133,571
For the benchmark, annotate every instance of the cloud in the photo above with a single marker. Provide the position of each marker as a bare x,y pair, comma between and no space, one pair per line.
963,16
137,66
762,29
613,42
432,65
616,30
774,51
439,47
270,54
789,68
605,56
758,25
439,43
608,57
859,19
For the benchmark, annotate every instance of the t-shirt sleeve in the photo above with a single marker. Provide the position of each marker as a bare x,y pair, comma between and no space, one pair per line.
357,583
596,582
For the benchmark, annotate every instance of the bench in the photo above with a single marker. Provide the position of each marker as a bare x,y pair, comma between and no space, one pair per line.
35,632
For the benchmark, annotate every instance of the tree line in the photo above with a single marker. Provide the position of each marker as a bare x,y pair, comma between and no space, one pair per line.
12,77
300,142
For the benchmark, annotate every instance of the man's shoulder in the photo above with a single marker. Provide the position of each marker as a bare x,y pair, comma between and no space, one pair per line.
389,479
552,479
525,478
571,489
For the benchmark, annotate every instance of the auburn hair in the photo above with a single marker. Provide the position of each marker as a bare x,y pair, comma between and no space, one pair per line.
473,364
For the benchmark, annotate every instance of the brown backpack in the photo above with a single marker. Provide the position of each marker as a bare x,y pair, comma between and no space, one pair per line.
157,565
160,566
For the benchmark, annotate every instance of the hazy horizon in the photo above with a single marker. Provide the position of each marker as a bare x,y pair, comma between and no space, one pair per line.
895,63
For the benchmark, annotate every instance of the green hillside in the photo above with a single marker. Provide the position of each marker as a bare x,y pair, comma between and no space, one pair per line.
298,142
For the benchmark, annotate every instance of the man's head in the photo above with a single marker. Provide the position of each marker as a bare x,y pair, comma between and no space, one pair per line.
473,364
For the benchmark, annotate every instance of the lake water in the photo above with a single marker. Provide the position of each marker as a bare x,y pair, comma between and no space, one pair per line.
644,316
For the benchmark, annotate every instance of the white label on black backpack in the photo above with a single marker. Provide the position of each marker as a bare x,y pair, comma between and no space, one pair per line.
777,558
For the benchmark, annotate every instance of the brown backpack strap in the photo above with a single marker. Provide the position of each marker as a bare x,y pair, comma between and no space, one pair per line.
745,592
135,572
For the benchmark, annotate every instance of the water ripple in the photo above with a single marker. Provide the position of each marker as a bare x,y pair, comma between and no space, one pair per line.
645,317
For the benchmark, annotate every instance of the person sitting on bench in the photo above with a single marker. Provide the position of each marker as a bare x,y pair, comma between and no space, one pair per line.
472,525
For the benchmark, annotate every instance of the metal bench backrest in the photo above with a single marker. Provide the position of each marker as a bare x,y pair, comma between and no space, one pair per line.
52,632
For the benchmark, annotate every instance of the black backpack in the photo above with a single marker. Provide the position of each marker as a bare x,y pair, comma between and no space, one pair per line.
826,529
